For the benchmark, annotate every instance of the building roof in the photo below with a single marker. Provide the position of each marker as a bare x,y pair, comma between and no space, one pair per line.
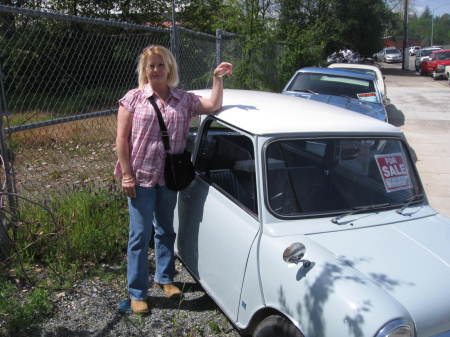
265,113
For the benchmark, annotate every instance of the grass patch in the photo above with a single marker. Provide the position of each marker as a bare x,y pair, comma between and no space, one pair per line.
85,225
20,313
67,238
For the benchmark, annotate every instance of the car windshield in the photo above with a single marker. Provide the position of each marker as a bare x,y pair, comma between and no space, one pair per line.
306,177
392,51
335,85
443,56
427,52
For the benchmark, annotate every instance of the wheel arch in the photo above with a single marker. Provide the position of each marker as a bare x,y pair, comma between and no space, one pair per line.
259,316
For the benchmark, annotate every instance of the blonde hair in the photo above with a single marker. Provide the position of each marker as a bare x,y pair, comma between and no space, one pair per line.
169,63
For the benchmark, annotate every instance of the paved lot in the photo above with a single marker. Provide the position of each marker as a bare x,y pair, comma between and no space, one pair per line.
420,106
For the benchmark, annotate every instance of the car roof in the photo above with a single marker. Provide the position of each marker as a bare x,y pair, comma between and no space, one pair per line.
355,65
334,71
431,48
265,113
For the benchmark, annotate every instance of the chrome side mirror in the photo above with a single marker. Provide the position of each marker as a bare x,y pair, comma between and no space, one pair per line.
295,253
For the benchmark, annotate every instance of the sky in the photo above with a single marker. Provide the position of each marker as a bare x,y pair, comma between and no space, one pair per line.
440,6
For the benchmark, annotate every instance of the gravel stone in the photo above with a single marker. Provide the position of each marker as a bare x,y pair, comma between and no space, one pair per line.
91,309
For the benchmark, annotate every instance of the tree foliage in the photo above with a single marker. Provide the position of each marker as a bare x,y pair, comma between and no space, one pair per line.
425,27
275,37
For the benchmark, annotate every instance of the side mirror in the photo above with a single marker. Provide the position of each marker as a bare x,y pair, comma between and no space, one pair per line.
295,253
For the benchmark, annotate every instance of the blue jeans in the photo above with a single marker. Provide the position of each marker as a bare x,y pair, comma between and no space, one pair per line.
150,203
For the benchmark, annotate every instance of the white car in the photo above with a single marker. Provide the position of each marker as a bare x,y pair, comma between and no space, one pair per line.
366,69
447,73
306,219
424,54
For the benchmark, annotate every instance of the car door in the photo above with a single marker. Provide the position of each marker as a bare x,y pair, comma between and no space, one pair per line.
217,215
429,65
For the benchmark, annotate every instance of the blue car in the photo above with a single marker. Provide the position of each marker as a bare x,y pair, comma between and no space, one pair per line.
346,89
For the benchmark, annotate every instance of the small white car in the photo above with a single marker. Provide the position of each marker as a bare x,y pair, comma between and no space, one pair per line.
366,69
306,219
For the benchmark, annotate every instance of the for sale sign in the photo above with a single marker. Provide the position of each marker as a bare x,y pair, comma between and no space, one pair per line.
394,171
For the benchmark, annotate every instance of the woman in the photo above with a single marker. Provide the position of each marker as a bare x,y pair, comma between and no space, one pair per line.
140,164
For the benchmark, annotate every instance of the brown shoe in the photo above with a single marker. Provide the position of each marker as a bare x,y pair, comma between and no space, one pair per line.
170,290
139,307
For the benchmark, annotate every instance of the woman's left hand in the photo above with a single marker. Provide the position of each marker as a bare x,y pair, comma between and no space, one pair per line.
225,68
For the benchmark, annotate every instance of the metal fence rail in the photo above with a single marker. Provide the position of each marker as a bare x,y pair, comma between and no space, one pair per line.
62,78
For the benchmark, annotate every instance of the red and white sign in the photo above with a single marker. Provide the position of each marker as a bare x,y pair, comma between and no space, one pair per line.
394,171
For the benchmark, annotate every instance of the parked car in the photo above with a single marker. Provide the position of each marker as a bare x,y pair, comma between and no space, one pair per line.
413,50
305,219
392,55
346,89
447,73
423,54
435,66
365,69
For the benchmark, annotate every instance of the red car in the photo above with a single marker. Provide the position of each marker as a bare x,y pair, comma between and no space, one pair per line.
435,65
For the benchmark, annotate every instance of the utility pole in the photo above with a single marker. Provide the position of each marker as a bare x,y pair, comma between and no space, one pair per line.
405,33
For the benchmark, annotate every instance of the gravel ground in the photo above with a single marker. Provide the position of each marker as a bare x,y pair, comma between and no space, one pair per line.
91,309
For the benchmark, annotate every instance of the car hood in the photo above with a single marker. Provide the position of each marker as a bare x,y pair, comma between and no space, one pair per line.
409,260
375,110
443,62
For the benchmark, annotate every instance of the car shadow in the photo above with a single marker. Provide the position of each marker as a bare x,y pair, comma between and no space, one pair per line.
398,72
395,116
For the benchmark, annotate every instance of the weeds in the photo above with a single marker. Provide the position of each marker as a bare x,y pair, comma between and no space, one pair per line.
26,312
68,239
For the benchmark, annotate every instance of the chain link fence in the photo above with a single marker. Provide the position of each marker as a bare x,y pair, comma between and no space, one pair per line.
62,78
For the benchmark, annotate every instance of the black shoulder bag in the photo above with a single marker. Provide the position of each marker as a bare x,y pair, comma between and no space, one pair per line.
178,168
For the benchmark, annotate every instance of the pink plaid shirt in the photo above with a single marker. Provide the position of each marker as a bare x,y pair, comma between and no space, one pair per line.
147,154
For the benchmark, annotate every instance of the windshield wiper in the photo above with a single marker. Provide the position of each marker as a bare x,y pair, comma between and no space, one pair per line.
305,90
359,209
409,201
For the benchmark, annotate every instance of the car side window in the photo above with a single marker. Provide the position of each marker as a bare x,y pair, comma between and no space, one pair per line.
226,160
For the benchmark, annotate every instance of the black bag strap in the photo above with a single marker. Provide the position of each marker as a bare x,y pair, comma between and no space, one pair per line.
162,125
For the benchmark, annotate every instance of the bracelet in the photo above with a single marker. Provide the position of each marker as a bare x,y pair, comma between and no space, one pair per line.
218,76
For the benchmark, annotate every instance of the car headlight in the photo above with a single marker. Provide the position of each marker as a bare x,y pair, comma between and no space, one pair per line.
397,328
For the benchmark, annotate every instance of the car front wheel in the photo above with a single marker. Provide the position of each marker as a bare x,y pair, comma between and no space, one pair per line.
276,326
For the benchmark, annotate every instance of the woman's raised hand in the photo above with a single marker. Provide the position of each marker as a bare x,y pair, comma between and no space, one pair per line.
225,68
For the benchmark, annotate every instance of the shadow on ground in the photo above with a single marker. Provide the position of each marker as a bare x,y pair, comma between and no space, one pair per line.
398,72
395,116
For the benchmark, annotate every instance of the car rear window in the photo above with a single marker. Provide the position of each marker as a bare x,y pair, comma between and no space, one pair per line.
345,86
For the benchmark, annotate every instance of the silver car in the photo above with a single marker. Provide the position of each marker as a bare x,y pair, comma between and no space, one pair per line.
392,55
305,219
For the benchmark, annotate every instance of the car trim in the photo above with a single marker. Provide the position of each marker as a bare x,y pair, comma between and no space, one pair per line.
327,214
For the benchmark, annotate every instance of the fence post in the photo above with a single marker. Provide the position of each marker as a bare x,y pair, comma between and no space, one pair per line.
173,34
218,46
5,241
